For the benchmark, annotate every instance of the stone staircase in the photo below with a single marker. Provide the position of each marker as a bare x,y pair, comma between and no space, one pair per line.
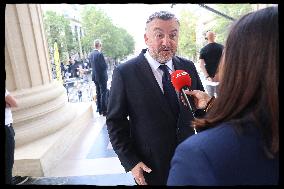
37,158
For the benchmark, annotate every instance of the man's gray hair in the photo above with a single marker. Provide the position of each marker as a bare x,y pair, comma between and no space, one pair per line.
97,42
163,15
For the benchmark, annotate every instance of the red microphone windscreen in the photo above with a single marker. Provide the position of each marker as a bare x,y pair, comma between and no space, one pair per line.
180,79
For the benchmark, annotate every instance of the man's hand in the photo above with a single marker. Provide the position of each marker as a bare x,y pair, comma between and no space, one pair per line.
137,173
11,102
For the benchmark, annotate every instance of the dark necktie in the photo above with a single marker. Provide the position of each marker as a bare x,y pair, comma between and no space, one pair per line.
169,91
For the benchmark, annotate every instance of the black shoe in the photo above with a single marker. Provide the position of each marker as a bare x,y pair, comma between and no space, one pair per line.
104,113
18,180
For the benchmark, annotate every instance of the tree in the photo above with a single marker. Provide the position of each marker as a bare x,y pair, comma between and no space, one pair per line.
117,43
72,45
187,36
124,44
58,29
129,43
222,25
96,24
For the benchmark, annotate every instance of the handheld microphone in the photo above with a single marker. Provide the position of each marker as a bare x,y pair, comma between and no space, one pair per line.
181,81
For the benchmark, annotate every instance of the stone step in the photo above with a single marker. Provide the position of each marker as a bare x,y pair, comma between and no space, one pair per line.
100,180
39,157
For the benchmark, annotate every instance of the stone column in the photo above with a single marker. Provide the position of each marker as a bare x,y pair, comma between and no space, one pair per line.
45,124
43,106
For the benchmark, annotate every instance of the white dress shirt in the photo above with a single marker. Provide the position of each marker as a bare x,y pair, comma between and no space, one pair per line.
158,73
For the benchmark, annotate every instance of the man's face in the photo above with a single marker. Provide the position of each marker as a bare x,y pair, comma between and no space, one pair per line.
161,37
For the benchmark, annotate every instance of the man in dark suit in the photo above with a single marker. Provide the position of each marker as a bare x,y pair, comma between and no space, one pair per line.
143,127
99,76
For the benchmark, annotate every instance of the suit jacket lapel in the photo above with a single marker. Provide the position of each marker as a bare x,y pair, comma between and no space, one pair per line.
177,64
144,72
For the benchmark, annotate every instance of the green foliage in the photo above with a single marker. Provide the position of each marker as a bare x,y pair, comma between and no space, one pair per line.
222,25
72,45
188,46
96,24
117,42
124,44
58,28
187,36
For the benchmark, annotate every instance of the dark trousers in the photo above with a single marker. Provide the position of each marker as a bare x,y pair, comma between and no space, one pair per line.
101,90
80,98
9,153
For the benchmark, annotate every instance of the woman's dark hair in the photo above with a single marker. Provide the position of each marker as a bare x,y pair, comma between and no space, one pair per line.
249,71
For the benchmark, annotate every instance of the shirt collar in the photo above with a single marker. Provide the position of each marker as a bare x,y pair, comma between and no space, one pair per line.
155,64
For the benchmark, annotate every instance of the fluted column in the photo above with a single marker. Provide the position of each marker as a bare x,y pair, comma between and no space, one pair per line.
43,106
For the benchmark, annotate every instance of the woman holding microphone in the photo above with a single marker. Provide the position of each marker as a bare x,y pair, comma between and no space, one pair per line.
240,145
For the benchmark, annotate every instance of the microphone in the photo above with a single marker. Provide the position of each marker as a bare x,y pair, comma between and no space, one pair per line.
181,81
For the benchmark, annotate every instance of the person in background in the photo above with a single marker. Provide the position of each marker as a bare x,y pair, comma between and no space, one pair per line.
10,102
62,68
145,118
241,143
79,95
99,76
209,60
77,67
72,68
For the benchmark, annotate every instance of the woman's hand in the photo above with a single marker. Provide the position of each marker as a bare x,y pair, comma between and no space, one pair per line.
200,98
209,79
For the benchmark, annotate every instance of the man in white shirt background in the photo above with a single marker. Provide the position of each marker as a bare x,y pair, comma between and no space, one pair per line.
10,102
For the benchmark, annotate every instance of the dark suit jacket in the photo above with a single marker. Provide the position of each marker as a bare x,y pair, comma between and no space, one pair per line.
73,68
222,156
140,124
99,66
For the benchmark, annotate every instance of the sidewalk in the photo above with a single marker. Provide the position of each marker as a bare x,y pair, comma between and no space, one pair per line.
91,161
